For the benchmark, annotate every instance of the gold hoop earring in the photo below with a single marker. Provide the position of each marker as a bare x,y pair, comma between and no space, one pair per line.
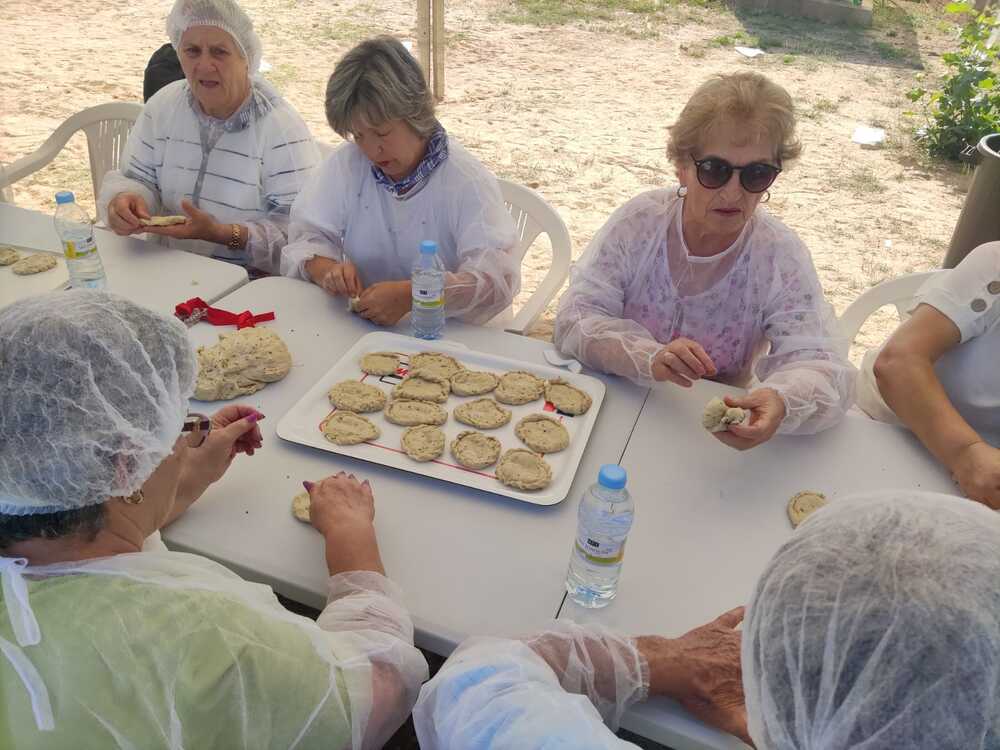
135,498
682,191
767,197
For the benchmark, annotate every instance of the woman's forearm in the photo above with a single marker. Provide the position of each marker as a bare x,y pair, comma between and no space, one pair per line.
912,390
353,547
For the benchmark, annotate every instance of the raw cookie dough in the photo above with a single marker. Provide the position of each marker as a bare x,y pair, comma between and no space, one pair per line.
163,221
440,364
380,363
717,416
423,386
484,413
475,450
348,428
34,264
541,433
300,507
423,442
241,363
473,383
353,395
567,398
524,470
804,504
8,255
519,387
407,412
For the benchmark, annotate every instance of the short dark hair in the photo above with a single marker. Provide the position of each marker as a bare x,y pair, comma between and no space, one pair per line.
87,521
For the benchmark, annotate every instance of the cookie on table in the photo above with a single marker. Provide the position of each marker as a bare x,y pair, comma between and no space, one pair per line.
32,264
804,504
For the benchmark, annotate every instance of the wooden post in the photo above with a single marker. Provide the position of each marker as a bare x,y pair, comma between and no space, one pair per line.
424,36
438,44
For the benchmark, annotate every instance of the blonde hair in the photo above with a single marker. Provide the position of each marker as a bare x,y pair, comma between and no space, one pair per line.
762,109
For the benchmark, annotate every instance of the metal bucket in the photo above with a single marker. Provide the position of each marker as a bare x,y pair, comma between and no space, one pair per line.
979,221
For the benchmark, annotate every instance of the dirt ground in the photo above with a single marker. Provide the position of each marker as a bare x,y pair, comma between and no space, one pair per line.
577,110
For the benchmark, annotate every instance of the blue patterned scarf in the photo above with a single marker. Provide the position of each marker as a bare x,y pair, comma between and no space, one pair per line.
437,152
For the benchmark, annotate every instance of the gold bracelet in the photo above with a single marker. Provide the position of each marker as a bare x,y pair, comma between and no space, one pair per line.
234,243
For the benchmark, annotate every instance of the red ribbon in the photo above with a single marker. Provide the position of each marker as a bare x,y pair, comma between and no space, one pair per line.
197,306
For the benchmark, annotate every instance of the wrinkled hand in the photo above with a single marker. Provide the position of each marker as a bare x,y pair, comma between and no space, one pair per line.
976,469
200,225
124,212
336,278
249,441
767,410
682,361
702,671
340,502
234,430
386,302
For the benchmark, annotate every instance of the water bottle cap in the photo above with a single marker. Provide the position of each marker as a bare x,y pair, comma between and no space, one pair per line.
428,247
64,196
612,476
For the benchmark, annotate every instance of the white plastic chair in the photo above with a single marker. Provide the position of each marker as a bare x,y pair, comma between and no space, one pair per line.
533,215
107,127
898,292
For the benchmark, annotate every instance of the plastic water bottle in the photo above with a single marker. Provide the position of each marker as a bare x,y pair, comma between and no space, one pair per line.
603,522
76,232
427,313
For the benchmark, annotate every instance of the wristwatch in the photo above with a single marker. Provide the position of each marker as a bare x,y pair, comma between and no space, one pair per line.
234,242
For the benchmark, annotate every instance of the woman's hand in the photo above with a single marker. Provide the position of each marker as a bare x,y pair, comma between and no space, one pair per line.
342,509
701,670
200,225
336,278
682,361
977,470
386,303
767,409
124,212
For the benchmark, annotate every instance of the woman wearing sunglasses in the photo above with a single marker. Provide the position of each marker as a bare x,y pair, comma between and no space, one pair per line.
695,282
107,639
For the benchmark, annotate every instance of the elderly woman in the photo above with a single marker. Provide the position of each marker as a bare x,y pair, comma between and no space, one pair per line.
695,282
110,640
358,223
875,627
220,147
937,374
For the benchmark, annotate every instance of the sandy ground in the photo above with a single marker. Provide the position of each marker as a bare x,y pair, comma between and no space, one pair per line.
579,111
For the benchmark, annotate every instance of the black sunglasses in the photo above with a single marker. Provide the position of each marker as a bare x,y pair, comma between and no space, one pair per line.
755,177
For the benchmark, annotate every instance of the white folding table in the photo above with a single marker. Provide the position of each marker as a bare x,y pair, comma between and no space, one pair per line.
145,272
708,519
469,562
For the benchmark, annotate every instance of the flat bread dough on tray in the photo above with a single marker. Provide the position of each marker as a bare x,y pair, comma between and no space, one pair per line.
380,363
474,450
567,398
483,414
524,470
542,433
440,364
519,387
423,442
421,385
473,383
348,428
353,395
408,412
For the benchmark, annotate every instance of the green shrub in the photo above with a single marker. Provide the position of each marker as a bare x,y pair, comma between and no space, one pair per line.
967,107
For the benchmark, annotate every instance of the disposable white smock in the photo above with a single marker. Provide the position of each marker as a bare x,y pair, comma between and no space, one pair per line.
969,296
342,212
168,650
554,690
876,626
757,308
246,170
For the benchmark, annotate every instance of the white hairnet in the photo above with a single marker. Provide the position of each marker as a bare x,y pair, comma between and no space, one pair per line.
877,626
93,393
224,14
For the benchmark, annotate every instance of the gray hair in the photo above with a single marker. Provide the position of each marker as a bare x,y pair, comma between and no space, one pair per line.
375,82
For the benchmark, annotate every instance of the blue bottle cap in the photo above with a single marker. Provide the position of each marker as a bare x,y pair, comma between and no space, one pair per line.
612,476
428,247
64,196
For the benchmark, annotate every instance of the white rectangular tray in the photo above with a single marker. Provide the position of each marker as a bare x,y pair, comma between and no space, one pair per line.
302,422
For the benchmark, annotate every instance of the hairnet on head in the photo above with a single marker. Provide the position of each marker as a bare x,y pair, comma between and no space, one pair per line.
877,626
224,14
93,394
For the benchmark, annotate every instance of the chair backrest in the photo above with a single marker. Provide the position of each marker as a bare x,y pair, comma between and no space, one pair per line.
899,292
532,216
106,126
